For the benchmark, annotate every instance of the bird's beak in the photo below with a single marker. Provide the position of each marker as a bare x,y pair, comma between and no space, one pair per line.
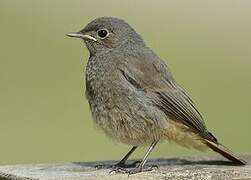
82,36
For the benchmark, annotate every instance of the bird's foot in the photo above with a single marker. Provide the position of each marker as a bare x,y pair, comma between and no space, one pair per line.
122,167
134,170
141,169
116,166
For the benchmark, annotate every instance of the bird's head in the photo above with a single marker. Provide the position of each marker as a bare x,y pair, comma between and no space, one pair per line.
107,33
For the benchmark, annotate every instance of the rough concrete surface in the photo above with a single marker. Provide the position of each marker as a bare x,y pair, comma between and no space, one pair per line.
171,168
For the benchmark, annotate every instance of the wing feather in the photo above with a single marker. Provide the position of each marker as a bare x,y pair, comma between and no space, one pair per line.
170,97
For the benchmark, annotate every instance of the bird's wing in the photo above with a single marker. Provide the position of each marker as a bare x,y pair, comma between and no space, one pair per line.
155,77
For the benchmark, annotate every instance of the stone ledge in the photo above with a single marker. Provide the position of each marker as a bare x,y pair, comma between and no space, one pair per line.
213,167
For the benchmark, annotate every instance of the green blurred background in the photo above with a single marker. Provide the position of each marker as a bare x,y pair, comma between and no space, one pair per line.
44,116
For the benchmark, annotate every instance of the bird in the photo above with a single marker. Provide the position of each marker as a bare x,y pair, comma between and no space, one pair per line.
134,98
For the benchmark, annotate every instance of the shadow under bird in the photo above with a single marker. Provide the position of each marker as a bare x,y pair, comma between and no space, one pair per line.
133,96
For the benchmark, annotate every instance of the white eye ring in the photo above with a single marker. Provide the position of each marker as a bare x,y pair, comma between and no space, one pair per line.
102,33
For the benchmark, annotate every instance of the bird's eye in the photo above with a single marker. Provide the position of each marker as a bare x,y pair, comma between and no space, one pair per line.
102,33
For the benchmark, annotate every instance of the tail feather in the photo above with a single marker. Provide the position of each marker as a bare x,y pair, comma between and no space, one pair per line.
217,147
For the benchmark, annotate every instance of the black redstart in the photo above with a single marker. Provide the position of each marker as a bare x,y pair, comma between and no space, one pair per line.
133,96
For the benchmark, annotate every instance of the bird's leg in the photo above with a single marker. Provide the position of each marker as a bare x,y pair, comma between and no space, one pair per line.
141,165
121,163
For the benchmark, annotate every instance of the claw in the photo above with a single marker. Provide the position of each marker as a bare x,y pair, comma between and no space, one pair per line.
118,165
121,167
140,169
119,170
132,171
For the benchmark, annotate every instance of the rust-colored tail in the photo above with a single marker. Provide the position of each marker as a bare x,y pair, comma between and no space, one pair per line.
217,147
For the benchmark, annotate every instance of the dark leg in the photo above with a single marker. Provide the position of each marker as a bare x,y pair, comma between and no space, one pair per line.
121,164
141,165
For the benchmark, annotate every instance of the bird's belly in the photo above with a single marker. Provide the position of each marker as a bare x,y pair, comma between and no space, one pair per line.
127,127
123,128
